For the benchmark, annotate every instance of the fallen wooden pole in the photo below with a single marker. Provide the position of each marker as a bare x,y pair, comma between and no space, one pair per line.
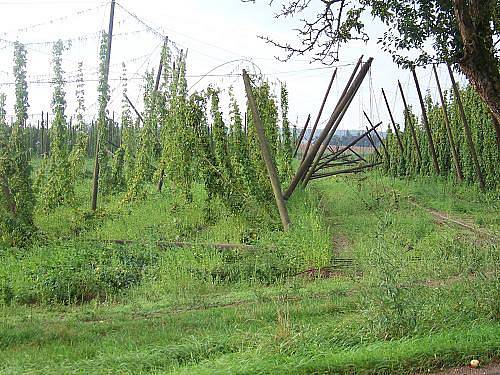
302,133
266,154
342,150
344,171
337,163
425,120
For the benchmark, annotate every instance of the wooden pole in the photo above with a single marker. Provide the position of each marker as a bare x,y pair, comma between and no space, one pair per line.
454,152
320,113
340,162
386,152
344,149
266,154
95,187
396,130
160,66
344,171
425,120
370,139
301,135
355,153
95,184
468,134
133,107
42,148
410,123
47,133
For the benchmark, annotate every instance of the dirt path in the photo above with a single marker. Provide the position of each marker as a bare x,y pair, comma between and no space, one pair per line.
491,369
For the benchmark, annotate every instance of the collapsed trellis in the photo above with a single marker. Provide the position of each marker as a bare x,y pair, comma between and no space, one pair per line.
321,160
315,163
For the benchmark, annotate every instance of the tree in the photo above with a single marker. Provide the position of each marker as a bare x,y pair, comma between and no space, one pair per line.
462,32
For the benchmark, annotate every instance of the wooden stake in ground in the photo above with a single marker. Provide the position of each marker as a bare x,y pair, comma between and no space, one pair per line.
427,127
454,152
396,130
409,120
95,184
468,134
266,154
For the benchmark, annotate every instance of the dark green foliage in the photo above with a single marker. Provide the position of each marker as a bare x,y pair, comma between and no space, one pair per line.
73,272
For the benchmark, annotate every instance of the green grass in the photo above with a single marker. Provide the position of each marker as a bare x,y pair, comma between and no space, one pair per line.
416,294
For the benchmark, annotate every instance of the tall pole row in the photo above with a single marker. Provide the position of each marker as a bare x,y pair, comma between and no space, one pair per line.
425,120
468,134
454,152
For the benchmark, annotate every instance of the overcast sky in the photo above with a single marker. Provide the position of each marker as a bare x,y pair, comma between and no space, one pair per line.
213,32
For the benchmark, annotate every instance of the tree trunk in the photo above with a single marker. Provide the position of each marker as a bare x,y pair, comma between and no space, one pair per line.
478,62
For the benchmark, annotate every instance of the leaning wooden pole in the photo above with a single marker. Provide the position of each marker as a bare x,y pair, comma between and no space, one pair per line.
468,134
409,120
344,171
396,130
454,151
386,151
301,137
320,113
425,120
266,154
372,142
95,184
133,107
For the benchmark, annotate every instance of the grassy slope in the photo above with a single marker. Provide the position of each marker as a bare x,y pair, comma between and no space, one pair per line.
417,296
